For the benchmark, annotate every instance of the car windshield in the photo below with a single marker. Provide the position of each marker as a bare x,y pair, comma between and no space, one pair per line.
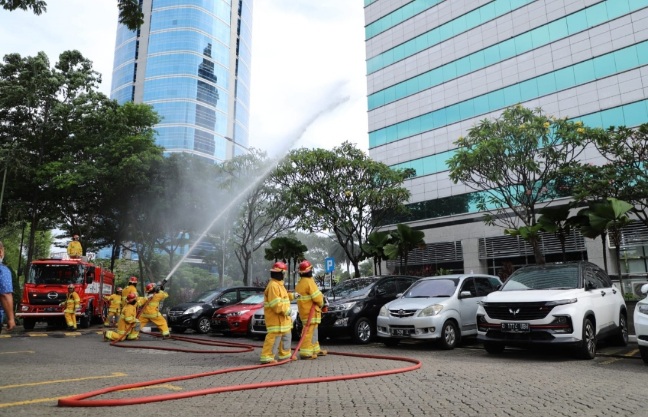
351,288
55,274
432,288
207,297
548,277
253,299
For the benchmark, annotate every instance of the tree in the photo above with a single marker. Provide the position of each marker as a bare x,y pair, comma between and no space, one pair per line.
260,212
402,241
516,164
130,13
289,250
556,220
342,192
375,248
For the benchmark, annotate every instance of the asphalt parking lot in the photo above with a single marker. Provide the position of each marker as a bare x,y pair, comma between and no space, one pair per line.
41,366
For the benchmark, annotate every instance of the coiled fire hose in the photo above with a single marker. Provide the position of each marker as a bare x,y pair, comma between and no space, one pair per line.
80,400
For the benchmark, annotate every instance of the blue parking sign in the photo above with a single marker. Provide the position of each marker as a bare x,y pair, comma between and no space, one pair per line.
329,264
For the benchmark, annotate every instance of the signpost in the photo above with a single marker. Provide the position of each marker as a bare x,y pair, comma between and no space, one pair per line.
329,266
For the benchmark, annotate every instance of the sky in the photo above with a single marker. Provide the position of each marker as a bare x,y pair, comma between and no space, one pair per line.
308,63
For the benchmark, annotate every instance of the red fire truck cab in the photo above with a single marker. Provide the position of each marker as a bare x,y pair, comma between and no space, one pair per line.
46,287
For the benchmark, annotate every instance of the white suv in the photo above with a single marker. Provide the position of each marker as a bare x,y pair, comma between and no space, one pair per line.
572,304
641,324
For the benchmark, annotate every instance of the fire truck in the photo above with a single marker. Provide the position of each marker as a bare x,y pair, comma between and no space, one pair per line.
46,287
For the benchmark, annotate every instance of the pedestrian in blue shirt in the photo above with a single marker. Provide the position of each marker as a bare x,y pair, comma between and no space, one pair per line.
6,291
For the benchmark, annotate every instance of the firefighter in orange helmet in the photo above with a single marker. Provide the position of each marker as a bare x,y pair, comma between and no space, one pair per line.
276,306
114,308
130,288
310,295
151,308
72,305
128,323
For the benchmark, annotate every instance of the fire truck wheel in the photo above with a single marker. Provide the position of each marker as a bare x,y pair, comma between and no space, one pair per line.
29,324
85,320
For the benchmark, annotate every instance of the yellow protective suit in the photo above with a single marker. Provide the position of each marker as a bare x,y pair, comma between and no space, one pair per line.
151,312
128,325
72,303
276,306
74,249
310,295
114,308
130,288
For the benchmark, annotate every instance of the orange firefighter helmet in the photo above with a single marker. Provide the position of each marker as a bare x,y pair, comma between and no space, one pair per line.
71,287
150,287
279,267
119,290
132,280
130,298
305,266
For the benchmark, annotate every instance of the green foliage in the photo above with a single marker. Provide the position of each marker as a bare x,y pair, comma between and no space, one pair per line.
402,241
517,162
342,192
130,13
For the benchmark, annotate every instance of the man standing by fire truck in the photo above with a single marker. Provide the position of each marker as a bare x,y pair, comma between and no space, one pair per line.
114,308
74,249
72,304
130,288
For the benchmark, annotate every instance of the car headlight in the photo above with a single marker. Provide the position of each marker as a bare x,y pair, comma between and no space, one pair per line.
343,306
561,302
237,313
192,310
643,308
383,311
432,310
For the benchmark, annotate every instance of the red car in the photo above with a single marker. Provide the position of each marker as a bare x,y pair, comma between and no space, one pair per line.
236,318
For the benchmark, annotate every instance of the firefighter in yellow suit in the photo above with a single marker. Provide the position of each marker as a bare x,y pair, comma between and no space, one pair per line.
114,308
276,306
309,294
130,288
128,323
72,304
151,309
74,249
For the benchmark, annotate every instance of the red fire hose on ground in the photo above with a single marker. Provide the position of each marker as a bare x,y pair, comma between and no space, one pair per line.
81,400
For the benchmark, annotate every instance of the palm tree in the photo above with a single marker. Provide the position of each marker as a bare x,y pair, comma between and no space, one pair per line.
289,250
375,247
403,240
556,220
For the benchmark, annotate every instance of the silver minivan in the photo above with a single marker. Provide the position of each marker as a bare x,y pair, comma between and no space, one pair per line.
440,308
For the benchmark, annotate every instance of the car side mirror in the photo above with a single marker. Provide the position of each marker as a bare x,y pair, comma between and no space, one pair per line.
465,294
589,285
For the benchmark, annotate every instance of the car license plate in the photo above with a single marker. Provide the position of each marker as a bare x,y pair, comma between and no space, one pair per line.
516,327
400,332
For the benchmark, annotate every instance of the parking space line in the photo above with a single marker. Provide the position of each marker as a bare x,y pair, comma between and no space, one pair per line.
17,351
610,361
43,400
32,384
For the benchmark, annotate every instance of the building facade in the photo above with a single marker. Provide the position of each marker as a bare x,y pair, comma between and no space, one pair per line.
435,68
190,60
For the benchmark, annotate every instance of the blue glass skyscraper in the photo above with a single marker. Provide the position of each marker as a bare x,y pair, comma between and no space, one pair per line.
190,60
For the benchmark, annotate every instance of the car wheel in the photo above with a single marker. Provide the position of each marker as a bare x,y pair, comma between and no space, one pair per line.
178,329
203,325
391,342
84,321
587,348
29,324
449,335
363,332
621,338
494,348
643,350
